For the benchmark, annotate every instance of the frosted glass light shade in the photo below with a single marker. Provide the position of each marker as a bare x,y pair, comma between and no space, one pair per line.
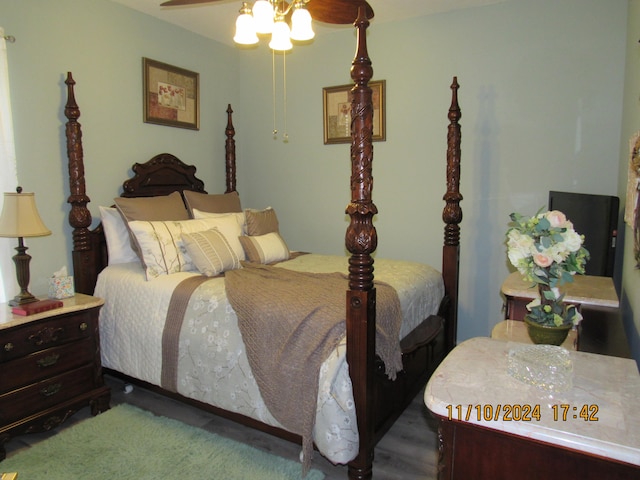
263,16
245,30
281,36
301,28
20,217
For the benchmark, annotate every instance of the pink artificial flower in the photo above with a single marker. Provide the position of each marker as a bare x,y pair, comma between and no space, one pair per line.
556,218
542,260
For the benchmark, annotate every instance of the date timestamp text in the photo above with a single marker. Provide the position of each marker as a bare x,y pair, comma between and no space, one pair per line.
521,412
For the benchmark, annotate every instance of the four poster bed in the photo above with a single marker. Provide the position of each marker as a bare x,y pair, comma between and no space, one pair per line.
359,395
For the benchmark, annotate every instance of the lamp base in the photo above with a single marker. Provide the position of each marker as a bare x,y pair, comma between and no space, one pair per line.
22,259
22,298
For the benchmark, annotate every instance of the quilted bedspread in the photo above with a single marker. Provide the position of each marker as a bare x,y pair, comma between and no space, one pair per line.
212,363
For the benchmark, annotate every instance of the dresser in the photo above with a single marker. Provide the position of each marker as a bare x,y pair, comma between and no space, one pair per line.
49,367
494,426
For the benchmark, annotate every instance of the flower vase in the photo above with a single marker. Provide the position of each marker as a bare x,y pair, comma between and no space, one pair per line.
543,334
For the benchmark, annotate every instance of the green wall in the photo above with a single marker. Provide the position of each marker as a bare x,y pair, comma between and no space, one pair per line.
541,95
630,292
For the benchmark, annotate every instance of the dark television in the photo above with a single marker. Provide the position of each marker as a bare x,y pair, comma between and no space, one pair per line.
596,217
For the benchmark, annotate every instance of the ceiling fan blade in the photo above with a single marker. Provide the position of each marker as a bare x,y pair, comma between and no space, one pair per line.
177,3
338,12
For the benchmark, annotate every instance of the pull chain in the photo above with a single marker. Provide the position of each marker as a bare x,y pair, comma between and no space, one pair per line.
273,87
285,136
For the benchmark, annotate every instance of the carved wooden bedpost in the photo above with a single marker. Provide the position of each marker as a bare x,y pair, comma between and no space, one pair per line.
452,216
79,216
230,152
361,241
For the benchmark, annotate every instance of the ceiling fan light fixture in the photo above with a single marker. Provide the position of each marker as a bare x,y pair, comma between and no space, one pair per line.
263,14
301,29
245,27
281,36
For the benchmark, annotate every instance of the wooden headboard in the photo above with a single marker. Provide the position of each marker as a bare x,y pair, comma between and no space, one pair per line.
161,175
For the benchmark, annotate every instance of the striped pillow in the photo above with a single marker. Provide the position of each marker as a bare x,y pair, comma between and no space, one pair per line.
210,252
267,248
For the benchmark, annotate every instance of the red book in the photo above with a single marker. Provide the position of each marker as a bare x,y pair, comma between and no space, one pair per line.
37,307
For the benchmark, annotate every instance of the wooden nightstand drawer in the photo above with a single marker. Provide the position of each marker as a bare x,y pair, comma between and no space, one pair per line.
46,363
22,402
46,333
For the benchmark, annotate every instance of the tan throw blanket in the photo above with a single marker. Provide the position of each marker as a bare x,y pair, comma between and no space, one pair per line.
290,322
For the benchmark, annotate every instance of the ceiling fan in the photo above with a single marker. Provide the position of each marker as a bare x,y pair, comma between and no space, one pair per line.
337,12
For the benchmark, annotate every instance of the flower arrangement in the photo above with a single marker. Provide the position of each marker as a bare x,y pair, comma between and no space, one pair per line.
547,251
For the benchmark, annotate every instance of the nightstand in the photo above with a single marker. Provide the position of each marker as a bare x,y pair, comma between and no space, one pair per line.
601,330
49,367
585,290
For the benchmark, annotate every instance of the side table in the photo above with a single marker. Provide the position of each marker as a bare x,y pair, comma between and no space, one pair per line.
49,367
585,290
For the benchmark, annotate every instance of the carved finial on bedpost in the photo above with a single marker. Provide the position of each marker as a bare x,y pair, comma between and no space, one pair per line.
230,152
79,216
452,214
361,237
361,240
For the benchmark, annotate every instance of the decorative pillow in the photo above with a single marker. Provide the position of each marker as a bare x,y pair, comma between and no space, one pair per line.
221,203
231,225
117,236
168,207
265,248
261,222
161,246
210,252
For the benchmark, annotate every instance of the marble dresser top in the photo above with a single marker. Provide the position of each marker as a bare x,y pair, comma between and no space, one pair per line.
73,304
473,378
585,290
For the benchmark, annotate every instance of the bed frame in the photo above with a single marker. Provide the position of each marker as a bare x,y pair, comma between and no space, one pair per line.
378,400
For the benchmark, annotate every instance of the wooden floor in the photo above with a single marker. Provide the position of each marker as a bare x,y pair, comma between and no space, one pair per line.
408,451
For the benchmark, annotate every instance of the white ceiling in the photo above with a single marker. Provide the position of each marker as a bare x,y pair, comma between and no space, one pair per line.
217,20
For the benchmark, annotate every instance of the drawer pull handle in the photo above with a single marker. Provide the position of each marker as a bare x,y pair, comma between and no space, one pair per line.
51,389
8,347
46,335
83,326
48,361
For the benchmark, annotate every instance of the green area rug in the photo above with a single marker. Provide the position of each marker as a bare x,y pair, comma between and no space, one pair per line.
128,443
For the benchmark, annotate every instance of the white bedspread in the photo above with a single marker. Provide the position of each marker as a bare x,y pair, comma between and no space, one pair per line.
213,367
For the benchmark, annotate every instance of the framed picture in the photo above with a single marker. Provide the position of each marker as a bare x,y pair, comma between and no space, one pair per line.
170,95
336,103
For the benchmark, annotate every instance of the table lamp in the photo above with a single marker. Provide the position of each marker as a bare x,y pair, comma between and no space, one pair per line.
20,218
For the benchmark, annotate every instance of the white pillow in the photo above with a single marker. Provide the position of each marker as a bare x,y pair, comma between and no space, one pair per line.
162,248
117,236
210,251
266,248
231,225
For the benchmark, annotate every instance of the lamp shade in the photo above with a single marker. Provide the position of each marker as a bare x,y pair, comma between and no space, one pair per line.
20,217
245,30
281,36
263,14
301,29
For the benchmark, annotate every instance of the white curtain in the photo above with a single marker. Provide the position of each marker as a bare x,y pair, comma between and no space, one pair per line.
9,177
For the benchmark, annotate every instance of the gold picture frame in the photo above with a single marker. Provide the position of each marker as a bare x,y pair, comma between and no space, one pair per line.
336,107
171,95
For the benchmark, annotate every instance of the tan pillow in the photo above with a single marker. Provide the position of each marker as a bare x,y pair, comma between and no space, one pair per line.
261,222
267,248
168,207
210,252
161,247
221,203
231,225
